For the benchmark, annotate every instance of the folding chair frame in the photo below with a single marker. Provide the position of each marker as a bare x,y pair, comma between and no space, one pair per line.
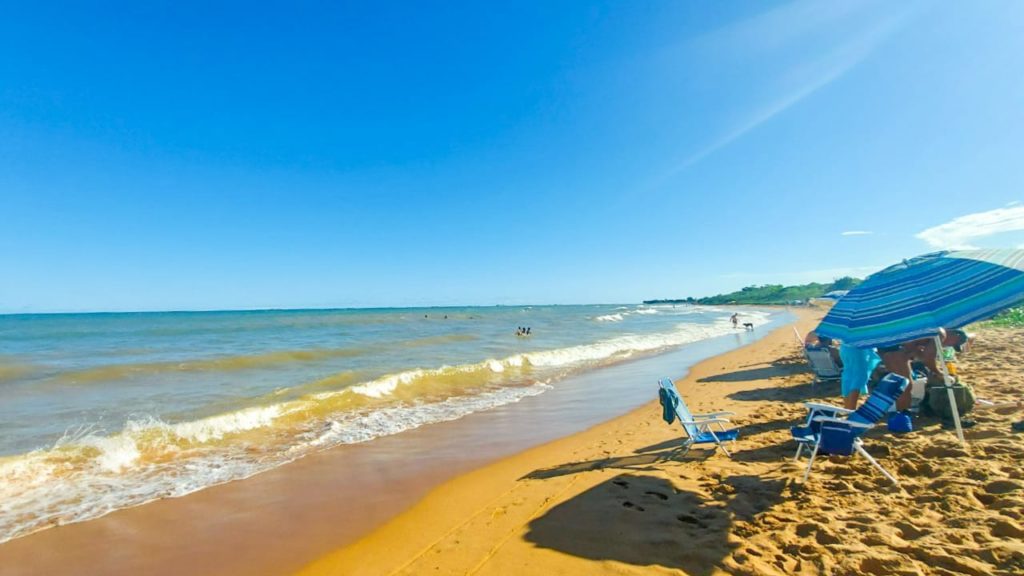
858,447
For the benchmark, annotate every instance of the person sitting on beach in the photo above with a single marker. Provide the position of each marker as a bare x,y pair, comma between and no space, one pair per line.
956,340
952,340
899,358
815,342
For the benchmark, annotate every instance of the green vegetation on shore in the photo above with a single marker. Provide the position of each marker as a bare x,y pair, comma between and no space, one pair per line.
1009,318
768,294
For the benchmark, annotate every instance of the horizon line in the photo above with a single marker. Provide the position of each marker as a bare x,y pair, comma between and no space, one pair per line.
303,309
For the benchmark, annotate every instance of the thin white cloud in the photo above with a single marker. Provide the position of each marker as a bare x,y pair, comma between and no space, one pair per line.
780,26
856,233
766,113
790,25
1014,203
958,233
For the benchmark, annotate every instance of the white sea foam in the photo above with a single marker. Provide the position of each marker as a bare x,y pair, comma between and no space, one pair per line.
568,357
116,453
216,427
384,386
364,426
42,489
610,318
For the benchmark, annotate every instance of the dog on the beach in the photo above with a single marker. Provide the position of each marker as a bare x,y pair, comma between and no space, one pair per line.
748,326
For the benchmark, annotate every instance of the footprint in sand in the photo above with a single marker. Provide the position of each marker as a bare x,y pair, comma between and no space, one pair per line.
977,474
1013,472
1006,529
1001,448
689,519
944,452
631,506
1003,486
985,498
882,565
657,495
909,469
621,483
804,530
908,531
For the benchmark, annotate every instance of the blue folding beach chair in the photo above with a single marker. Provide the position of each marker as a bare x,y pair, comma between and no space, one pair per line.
697,426
842,436
806,436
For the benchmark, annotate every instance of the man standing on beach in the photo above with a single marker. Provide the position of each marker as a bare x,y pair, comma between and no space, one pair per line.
735,320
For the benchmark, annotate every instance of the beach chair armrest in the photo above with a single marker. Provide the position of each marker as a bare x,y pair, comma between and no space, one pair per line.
829,407
843,421
712,415
705,421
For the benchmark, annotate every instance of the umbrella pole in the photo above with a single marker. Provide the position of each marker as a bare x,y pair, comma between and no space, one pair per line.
949,390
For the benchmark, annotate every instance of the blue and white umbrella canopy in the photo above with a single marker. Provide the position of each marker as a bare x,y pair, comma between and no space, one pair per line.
915,298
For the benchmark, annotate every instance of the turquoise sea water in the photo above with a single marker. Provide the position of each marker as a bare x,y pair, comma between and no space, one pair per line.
103,411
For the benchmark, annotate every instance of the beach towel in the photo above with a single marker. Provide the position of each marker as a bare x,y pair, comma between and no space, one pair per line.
669,402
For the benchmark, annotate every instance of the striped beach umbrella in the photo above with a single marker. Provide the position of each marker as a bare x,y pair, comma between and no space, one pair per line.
916,297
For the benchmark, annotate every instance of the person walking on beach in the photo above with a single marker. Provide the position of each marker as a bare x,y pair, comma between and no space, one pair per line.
735,320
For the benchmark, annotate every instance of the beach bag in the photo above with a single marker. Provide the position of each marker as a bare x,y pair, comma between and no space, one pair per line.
937,399
900,423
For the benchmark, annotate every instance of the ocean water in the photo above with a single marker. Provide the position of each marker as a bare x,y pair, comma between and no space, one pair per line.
100,412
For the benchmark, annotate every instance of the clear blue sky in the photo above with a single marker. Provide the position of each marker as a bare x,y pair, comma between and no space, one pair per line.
176,155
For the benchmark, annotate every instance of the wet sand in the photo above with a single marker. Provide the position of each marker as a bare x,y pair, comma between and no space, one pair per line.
279,521
614,500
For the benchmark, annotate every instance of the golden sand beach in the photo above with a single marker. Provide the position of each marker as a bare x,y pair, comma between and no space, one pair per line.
607,501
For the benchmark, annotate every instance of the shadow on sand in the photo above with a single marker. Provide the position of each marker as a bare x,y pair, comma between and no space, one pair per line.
642,459
786,366
800,393
644,520
749,375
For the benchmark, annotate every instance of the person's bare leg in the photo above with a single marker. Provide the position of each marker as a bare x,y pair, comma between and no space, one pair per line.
904,401
850,400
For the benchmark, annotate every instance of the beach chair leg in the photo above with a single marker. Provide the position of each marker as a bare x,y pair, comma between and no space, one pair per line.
811,461
672,455
722,446
799,449
864,453
718,442
686,447
680,452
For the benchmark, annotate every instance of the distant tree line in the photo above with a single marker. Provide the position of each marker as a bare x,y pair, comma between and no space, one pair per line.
768,294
